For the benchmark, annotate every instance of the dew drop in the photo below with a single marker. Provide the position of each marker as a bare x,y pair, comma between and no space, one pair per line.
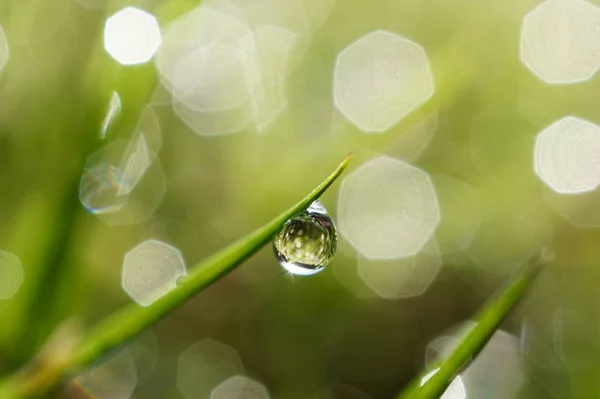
307,242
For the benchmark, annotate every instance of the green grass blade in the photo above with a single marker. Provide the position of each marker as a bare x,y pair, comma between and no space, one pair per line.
126,323
487,321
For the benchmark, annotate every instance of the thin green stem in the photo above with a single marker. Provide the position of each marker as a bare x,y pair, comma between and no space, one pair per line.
432,382
48,301
126,323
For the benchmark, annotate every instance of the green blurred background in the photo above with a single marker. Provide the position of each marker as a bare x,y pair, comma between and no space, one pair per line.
296,335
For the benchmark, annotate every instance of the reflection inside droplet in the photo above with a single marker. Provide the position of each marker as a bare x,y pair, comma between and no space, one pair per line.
307,242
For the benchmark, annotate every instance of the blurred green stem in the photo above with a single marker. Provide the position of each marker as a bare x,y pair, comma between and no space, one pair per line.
433,382
40,304
58,274
44,373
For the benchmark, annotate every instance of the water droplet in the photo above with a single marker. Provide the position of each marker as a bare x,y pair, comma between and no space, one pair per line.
307,242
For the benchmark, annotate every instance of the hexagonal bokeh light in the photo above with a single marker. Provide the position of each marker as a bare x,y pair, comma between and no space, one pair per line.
216,53
114,378
240,387
209,86
403,277
560,42
123,182
151,270
132,36
11,275
497,372
204,366
226,63
99,188
379,79
566,156
276,48
387,209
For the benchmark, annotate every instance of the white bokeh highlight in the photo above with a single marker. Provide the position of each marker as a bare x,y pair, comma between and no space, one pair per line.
132,36
226,63
204,366
456,390
496,373
208,63
379,79
11,275
123,182
212,78
387,209
240,387
151,270
114,378
567,156
403,277
560,41
99,188
276,49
